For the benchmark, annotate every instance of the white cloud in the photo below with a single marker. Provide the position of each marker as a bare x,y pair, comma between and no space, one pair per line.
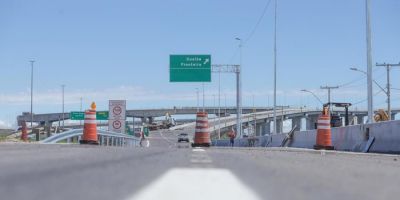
5,125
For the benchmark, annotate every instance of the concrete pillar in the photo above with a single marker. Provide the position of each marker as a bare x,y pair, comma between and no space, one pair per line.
47,128
151,120
393,116
144,119
259,129
296,122
279,124
267,127
360,119
310,122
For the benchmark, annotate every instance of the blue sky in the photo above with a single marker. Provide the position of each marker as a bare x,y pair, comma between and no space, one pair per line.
103,49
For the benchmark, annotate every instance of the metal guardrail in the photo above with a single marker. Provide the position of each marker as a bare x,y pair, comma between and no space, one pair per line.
105,138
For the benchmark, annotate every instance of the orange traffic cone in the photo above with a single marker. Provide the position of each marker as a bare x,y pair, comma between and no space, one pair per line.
202,133
90,127
24,134
324,140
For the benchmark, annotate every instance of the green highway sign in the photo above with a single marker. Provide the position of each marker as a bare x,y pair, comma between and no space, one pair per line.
77,115
101,115
190,68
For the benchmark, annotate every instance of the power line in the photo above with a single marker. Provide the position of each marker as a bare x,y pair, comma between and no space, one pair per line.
364,100
258,22
253,30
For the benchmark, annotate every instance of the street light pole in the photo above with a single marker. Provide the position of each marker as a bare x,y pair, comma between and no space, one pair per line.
369,62
80,121
239,93
304,90
203,99
275,52
197,94
388,66
63,117
219,105
32,61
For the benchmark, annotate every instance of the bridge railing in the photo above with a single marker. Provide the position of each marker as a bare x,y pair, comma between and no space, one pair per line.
105,138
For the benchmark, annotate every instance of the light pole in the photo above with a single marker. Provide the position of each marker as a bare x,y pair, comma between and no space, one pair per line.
304,90
63,117
197,94
219,105
369,61
275,52
388,66
203,98
32,61
239,92
80,121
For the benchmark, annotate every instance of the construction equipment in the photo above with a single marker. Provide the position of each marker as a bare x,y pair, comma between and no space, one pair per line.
167,123
336,120
381,115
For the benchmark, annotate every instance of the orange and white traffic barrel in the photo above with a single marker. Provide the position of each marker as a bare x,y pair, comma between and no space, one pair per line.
24,134
202,132
324,137
90,127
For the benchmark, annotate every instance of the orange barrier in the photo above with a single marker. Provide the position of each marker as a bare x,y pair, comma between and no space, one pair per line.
90,127
24,134
324,138
202,133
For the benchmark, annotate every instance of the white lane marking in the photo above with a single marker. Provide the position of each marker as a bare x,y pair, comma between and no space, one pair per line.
198,150
203,161
196,184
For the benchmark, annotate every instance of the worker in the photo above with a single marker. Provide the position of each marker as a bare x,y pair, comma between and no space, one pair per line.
142,138
232,137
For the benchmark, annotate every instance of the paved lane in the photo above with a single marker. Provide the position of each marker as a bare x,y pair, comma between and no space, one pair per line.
167,170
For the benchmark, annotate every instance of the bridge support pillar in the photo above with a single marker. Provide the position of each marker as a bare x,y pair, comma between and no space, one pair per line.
296,121
393,116
47,128
279,126
144,119
267,127
150,120
310,122
360,119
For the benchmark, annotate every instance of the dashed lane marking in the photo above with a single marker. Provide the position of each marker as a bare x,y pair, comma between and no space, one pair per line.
196,184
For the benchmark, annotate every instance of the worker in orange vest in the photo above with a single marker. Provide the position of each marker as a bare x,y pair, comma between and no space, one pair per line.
232,137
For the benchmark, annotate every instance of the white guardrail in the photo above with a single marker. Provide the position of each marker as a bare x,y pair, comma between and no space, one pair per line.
105,138
231,120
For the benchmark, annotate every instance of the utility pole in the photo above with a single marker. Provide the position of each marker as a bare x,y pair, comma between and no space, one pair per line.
32,61
369,61
388,66
63,117
329,88
275,52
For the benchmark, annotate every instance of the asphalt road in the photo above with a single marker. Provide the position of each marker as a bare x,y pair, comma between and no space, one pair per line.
167,170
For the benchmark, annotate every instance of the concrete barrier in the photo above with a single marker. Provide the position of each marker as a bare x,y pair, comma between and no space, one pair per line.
384,137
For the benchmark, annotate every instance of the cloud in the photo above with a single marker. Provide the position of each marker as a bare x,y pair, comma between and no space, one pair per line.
5,125
141,94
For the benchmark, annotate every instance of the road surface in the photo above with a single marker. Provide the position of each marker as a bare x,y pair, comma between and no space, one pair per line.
167,170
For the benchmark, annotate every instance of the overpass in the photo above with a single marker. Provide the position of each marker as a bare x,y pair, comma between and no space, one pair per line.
263,120
144,114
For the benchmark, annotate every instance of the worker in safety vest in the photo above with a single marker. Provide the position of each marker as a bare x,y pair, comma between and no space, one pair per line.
232,136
